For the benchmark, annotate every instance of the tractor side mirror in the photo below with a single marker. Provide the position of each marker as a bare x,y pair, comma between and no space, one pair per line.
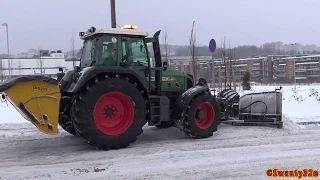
60,69
165,65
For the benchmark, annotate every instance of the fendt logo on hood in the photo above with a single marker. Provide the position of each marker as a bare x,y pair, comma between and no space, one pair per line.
39,88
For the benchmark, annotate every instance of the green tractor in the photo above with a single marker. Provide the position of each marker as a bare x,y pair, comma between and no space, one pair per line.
115,91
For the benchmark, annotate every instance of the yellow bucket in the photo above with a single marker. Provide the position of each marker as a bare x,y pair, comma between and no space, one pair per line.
37,99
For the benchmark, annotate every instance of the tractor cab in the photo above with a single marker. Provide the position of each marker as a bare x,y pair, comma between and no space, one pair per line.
126,49
123,47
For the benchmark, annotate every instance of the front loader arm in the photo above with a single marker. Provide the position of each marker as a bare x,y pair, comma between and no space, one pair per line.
37,99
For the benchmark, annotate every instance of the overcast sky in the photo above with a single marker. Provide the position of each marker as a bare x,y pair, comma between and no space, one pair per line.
51,24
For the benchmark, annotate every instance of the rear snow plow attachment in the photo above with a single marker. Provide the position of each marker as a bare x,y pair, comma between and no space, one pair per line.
36,98
262,108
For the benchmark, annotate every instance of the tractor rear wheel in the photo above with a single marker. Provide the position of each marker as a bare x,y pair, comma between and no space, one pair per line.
110,113
203,116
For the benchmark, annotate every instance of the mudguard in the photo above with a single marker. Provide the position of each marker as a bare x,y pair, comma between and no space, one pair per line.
181,104
36,98
90,72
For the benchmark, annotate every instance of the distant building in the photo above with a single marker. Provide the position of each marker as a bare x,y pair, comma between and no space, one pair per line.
297,69
48,65
274,45
272,68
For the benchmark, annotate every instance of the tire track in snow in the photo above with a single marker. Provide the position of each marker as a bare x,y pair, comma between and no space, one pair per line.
161,154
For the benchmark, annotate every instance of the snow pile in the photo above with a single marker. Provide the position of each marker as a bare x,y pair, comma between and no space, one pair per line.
9,114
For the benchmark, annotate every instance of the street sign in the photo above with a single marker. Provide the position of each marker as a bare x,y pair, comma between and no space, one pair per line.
212,45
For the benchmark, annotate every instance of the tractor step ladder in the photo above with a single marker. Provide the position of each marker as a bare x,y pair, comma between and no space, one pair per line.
160,108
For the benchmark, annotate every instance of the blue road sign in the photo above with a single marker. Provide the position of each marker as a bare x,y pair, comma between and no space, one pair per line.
212,45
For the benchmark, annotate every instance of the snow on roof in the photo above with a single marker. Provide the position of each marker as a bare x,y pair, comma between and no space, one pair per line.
307,63
301,57
256,58
299,63
117,31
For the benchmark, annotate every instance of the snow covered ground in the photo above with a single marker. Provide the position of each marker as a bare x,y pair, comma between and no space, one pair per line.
234,152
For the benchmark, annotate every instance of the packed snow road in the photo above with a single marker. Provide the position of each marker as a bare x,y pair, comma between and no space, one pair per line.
234,152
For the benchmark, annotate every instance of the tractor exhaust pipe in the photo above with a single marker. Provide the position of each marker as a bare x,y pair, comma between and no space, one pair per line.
158,60
113,13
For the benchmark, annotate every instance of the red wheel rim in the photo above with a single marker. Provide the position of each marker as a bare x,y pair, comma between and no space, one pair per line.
113,113
208,119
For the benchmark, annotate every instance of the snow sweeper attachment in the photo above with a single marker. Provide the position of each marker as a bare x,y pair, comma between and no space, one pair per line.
36,98
262,108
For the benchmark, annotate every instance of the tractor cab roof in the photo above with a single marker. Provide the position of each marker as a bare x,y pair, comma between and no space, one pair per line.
125,30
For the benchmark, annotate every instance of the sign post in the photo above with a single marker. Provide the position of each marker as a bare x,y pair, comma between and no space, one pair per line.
212,48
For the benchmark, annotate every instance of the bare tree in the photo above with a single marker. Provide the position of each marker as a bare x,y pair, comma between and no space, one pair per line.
1,69
19,66
40,62
166,44
230,57
193,52
73,51
223,54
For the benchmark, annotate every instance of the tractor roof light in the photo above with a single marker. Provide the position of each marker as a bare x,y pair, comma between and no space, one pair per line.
128,27
89,31
92,29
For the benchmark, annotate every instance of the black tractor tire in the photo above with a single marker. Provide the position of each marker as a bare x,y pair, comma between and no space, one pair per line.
66,125
121,101
196,128
165,125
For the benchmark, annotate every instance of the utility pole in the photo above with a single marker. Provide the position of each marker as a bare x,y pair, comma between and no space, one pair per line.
225,63
213,80
113,13
9,66
192,44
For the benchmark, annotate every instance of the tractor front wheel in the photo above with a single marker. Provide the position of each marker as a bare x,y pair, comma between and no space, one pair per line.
110,114
66,124
203,116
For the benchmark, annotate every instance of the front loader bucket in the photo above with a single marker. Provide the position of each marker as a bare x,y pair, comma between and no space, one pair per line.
37,99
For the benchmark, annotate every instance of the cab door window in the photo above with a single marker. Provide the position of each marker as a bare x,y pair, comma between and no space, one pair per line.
134,51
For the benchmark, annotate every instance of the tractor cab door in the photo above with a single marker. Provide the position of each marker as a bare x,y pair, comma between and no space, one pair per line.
135,56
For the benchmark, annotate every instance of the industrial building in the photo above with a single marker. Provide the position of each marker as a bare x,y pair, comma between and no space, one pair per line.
47,65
